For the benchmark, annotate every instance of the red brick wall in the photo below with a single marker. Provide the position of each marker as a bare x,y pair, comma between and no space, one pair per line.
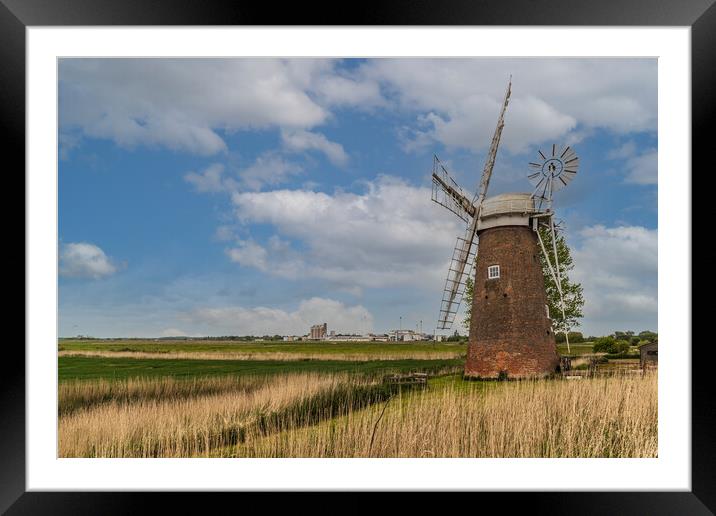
510,331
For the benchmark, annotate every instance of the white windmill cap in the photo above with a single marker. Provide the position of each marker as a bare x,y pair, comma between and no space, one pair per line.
508,204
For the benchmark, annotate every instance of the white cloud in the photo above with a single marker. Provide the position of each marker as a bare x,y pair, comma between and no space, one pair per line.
625,151
249,254
238,320
389,235
173,332
530,119
640,168
84,260
461,98
643,169
224,233
66,143
187,104
358,92
211,179
618,270
184,104
268,169
300,140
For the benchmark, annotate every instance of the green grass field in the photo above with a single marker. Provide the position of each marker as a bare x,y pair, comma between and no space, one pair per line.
168,346
119,368
575,349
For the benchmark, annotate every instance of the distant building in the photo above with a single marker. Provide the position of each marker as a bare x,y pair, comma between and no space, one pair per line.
405,335
352,338
649,355
319,331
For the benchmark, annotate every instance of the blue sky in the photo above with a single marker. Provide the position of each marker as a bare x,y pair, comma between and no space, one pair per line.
240,196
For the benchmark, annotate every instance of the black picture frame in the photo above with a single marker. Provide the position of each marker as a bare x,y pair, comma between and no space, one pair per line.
17,15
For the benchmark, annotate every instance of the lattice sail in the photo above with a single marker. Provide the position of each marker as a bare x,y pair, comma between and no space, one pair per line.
492,154
461,266
448,194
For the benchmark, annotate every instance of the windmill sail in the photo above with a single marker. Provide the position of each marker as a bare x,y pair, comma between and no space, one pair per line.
461,265
448,194
490,163
463,254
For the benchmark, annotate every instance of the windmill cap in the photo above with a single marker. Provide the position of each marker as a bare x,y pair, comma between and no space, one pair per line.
508,203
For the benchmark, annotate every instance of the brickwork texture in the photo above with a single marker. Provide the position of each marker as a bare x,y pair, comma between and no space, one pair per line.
510,332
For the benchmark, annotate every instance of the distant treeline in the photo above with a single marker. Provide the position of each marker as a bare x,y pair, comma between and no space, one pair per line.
575,337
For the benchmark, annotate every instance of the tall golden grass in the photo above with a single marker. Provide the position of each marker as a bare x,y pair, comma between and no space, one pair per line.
338,415
613,416
269,355
84,394
179,422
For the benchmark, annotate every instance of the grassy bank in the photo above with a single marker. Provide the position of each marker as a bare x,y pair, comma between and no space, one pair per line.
308,347
85,368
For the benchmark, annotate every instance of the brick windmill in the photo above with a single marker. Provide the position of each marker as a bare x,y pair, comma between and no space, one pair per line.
510,329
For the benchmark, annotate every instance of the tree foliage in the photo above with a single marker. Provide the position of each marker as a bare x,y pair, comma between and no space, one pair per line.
575,337
610,345
573,292
648,336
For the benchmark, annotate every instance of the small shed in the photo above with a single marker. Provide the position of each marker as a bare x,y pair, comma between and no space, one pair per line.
649,355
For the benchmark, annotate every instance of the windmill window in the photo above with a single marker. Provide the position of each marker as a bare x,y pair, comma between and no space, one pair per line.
493,272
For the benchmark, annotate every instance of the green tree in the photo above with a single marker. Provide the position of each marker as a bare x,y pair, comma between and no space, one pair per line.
572,292
574,337
649,336
603,345
610,345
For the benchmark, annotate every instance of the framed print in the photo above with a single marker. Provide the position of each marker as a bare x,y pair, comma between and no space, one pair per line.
405,250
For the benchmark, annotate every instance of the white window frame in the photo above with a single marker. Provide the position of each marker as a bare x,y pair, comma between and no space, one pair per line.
491,269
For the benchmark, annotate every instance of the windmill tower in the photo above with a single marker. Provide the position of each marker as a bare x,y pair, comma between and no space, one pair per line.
510,329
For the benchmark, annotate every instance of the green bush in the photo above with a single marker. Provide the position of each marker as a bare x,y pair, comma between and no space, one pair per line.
603,345
456,338
620,346
610,345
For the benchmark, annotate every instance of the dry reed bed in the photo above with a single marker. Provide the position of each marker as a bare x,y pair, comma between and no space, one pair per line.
84,394
186,426
269,355
613,416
